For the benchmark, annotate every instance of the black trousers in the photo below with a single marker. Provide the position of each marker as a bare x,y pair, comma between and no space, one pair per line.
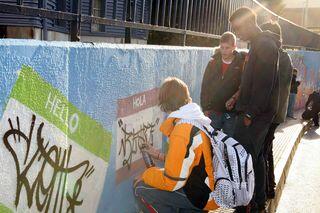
268,157
252,138
314,114
315,118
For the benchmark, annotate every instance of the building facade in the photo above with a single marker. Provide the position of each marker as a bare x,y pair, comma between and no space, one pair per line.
19,26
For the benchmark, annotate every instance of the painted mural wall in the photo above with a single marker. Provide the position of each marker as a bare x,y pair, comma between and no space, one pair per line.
73,117
308,65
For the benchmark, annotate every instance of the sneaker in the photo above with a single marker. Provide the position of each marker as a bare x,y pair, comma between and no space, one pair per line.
292,117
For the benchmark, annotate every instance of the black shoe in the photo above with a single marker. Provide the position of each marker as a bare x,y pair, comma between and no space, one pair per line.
271,194
240,209
262,209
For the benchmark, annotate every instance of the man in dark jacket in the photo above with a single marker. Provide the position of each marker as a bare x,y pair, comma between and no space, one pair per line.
259,94
293,94
285,75
313,108
220,84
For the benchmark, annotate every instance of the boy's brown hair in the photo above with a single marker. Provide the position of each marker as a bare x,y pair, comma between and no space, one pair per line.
228,37
173,94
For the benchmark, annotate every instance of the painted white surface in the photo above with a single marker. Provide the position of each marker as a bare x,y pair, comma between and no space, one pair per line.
133,124
90,187
302,188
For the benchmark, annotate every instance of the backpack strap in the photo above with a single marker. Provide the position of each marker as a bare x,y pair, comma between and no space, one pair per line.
211,134
215,149
225,138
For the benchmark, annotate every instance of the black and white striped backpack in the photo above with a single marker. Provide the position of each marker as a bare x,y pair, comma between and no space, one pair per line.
233,171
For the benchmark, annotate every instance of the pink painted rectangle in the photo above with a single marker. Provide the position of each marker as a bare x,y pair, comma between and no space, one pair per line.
135,103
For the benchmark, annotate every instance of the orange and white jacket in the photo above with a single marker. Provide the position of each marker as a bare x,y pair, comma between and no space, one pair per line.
188,164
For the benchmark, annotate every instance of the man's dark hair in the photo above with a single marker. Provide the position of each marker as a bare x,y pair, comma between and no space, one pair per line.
273,27
245,14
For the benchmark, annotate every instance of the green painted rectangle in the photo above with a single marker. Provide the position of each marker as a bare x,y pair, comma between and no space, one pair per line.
4,209
41,97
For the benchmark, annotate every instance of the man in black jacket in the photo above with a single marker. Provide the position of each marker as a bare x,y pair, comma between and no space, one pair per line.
220,84
312,108
259,94
285,75
293,94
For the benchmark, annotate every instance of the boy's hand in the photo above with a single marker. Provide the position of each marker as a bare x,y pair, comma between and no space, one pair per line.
247,121
230,103
206,113
152,152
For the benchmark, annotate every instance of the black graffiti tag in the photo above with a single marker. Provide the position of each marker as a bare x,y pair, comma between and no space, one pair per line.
51,158
133,140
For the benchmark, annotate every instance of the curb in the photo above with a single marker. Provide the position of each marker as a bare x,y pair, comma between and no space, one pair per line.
272,204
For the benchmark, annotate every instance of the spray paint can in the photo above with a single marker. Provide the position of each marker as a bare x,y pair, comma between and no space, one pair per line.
146,157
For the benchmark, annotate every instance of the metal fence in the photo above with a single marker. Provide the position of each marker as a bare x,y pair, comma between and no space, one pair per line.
205,18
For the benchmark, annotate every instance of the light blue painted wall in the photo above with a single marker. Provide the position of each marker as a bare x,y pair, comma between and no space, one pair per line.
308,65
94,77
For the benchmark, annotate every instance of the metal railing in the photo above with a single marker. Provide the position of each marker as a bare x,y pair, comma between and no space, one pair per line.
204,18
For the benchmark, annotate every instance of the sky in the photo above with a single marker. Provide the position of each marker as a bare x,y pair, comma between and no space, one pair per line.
301,3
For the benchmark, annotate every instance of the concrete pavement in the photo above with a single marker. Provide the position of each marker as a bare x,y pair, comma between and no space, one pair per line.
301,191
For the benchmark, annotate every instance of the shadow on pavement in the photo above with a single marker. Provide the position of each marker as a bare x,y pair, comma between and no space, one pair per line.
312,134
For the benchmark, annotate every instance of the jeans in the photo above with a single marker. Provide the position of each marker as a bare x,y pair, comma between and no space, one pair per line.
223,121
292,101
150,199
252,139
268,157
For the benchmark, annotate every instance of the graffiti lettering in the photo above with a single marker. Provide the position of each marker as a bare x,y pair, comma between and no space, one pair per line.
60,110
139,101
133,140
54,166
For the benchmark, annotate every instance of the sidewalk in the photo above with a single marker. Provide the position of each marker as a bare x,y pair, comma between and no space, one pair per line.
302,190
287,138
